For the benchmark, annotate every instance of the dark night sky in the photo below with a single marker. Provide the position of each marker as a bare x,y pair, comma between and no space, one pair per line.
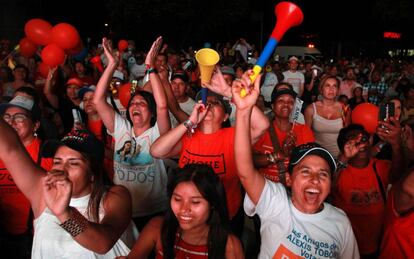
331,20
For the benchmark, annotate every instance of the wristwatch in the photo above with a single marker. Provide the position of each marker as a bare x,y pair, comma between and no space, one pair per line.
190,126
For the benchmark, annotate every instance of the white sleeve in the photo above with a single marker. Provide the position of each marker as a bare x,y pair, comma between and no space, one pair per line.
350,246
120,126
273,200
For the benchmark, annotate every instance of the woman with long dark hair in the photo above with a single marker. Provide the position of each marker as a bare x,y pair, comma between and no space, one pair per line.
146,119
196,222
76,215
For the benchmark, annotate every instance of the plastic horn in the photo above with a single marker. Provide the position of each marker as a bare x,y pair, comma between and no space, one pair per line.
288,15
207,60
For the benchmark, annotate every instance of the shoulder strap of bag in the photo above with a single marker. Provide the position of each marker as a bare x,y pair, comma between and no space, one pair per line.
380,184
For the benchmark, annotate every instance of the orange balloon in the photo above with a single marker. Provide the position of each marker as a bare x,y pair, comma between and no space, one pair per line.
366,114
27,48
124,94
52,55
65,36
122,45
38,31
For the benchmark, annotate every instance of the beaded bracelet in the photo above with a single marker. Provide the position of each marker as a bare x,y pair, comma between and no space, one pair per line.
76,224
152,70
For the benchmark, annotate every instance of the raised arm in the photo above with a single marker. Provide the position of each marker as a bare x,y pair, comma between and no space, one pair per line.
173,105
26,174
252,181
169,144
219,85
96,236
163,119
105,110
390,132
48,89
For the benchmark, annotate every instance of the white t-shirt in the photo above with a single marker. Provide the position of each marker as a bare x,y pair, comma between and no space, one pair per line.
187,107
268,85
288,233
296,79
144,176
52,241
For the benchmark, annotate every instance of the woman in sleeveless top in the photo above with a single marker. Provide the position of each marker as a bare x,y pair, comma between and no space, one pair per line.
67,222
196,222
326,117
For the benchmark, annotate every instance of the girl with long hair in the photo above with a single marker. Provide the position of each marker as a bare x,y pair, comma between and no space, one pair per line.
196,222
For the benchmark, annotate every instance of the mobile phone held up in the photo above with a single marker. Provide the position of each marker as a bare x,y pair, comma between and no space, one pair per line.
386,110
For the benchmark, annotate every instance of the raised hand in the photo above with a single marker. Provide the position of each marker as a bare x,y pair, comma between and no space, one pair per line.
354,145
198,113
244,84
113,58
218,84
153,52
57,191
390,131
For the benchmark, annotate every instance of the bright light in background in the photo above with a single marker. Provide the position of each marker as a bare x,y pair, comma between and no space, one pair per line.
106,25
310,45
392,35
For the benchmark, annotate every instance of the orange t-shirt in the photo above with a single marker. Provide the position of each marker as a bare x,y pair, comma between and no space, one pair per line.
264,146
358,194
14,206
398,240
217,151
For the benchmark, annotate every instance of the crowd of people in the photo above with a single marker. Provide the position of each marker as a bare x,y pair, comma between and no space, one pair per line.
88,173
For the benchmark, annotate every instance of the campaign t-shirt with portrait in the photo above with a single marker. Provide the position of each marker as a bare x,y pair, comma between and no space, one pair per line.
287,232
144,176
217,151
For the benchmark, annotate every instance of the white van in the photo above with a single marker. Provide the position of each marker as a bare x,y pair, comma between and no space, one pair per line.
303,53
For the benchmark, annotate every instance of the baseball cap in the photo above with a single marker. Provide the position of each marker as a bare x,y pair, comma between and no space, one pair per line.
79,140
75,81
84,90
276,93
311,148
180,74
293,58
118,74
24,103
227,107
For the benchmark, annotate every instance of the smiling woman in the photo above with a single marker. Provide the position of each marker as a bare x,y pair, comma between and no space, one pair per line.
196,222
300,224
147,118
76,215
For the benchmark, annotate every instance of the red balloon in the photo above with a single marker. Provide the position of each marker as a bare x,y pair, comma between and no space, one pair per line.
52,55
366,114
122,45
27,48
43,69
65,36
96,61
38,31
124,94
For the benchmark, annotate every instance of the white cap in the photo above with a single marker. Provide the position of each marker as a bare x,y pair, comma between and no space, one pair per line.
293,58
118,74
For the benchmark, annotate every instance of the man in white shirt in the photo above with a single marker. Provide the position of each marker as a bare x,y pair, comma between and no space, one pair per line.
179,86
294,77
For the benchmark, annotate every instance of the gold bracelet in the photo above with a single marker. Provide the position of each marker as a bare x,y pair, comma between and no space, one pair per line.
76,224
